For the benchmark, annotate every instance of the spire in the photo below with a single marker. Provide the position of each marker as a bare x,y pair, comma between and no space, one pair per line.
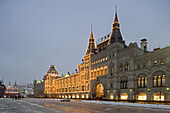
116,19
116,34
2,80
15,83
9,85
91,45
91,35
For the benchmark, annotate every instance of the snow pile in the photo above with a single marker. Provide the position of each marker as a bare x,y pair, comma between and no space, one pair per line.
130,104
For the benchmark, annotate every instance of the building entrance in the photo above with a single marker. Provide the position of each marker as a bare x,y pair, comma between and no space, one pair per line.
99,91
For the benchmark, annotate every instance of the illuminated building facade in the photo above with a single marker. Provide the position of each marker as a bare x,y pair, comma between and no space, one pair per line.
113,70
11,92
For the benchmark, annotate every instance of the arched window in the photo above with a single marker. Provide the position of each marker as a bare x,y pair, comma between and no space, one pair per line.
163,80
162,61
101,71
123,82
94,73
144,65
121,67
159,79
111,96
146,82
154,81
142,81
138,66
112,71
98,73
138,82
126,83
126,66
91,74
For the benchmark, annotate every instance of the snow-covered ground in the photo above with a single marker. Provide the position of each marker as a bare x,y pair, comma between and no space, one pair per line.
130,104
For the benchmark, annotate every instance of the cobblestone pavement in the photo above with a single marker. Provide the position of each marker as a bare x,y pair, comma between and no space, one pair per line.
34,105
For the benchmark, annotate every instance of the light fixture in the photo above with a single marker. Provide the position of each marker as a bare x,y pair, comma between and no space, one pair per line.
167,89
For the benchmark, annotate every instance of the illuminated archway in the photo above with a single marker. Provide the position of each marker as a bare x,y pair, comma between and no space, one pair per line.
158,96
142,96
124,96
111,96
99,91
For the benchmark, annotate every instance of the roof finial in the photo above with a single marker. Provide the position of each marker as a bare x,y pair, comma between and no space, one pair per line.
91,27
2,80
115,8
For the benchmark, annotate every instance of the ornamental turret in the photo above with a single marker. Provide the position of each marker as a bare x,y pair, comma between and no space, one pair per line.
116,34
91,45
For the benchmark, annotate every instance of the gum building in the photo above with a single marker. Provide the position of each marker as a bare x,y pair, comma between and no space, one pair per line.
113,70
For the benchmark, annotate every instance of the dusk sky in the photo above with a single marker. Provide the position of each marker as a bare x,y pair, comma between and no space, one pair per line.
37,33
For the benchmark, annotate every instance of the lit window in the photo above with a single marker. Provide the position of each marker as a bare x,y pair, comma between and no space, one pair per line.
105,71
126,66
162,61
106,58
103,59
142,82
146,82
138,82
95,74
91,74
102,72
159,80
163,80
154,80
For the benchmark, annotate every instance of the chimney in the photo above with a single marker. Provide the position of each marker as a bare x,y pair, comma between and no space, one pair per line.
143,44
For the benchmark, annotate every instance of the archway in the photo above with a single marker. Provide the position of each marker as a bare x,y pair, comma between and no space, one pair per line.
142,96
158,96
124,96
99,91
111,96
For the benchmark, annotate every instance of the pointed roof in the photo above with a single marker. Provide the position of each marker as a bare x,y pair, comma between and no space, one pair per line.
116,34
116,18
52,70
15,83
91,45
2,81
9,85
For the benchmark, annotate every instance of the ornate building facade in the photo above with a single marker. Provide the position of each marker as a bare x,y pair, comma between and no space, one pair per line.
11,92
113,70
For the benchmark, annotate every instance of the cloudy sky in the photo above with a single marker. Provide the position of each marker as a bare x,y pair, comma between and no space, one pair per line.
37,33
